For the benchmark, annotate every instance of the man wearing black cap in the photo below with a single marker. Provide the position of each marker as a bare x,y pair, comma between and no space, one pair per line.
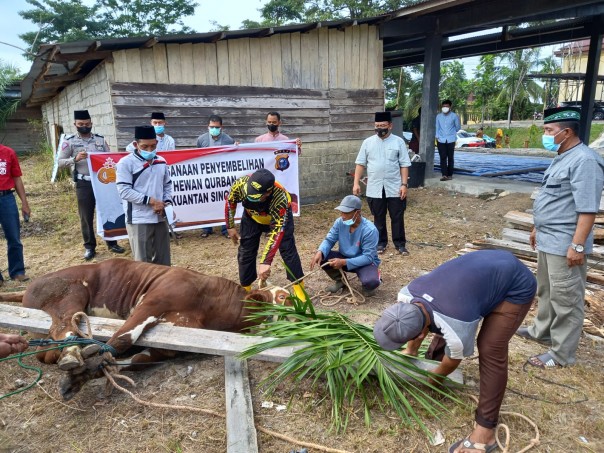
164,141
74,154
564,214
491,286
144,184
266,208
387,161
357,240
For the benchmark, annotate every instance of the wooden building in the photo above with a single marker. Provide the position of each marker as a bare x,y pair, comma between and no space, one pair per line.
22,131
324,78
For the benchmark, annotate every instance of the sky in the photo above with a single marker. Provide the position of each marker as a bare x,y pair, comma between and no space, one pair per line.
225,12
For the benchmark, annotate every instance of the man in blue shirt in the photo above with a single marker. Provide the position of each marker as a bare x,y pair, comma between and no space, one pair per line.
358,239
491,286
447,125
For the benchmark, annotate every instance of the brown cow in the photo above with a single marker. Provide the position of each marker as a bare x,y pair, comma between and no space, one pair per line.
143,294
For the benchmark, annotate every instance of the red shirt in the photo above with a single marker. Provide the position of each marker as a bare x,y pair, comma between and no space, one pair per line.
9,168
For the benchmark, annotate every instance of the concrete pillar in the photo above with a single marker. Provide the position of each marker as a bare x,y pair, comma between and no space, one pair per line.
591,77
430,101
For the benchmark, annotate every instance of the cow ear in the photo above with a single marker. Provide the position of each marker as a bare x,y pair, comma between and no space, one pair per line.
260,296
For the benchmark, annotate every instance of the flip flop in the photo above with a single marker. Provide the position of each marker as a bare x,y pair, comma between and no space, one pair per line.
467,443
524,333
546,361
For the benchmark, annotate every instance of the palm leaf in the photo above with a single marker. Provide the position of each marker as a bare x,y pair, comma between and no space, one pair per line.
343,355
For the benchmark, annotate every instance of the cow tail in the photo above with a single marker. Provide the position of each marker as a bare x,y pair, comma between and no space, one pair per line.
12,297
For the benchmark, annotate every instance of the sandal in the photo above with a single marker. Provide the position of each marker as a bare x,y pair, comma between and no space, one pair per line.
524,333
467,443
543,361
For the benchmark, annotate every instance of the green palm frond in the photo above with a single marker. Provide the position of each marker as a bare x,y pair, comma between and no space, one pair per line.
334,351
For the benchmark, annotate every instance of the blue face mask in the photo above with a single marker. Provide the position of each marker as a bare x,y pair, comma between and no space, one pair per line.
350,221
549,142
214,131
159,129
148,155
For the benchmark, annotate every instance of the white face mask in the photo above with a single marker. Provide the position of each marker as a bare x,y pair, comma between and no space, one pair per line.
445,109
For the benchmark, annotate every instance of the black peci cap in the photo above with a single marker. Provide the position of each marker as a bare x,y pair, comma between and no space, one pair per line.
144,132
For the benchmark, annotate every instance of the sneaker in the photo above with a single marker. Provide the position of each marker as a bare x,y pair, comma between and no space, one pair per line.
21,278
116,248
403,251
381,249
444,178
449,178
89,254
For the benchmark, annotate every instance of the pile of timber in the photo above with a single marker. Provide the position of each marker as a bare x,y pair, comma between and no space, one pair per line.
515,239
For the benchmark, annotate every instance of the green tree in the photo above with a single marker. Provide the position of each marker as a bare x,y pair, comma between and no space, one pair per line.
60,21
515,85
280,12
550,65
454,85
486,83
9,74
124,18
70,20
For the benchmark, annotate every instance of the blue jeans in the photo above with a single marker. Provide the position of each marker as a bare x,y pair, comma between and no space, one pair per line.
210,230
9,219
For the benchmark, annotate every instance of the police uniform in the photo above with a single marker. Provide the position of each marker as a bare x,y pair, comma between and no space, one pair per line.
72,145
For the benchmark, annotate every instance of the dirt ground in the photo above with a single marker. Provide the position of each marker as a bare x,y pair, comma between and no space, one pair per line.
438,223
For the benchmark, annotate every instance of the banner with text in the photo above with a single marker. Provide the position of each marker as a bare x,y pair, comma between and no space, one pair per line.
201,180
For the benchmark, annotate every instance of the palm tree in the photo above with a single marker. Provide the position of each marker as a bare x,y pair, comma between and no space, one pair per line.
344,357
515,85
9,74
550,65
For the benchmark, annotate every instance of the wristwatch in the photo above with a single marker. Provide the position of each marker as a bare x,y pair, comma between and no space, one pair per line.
579,248
404,184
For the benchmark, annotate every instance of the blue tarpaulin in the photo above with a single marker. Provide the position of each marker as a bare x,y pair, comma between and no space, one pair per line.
477,164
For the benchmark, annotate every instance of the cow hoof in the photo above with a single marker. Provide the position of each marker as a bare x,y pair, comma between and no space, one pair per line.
90,350
68,362
78,370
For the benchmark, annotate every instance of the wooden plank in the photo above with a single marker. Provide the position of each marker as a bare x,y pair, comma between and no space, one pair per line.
222,61
276,59
378,63
370,81
199,70
266,62
211,63
186,63
348,70
119,66
519,218
174,69
147,61
133,65
255,65
167,336
356,57
364,59
234,46
245,62
128,112
296,56
241,431
160,89
514,235
235,101
160,65
323,59
333,57
286,61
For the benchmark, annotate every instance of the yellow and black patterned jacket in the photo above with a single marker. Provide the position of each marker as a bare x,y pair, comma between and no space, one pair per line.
273,212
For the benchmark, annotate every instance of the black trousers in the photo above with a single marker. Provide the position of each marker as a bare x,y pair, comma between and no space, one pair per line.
396,208
446,152
250,233
86,205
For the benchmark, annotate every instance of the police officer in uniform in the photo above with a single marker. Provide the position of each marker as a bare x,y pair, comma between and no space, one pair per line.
74,154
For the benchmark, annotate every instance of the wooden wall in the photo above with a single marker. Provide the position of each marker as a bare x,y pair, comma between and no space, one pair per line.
20,134
320,59
312,115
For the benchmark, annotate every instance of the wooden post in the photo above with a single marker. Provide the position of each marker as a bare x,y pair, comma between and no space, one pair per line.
241,432
430,101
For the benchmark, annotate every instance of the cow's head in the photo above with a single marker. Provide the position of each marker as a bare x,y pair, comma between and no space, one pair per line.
275,295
